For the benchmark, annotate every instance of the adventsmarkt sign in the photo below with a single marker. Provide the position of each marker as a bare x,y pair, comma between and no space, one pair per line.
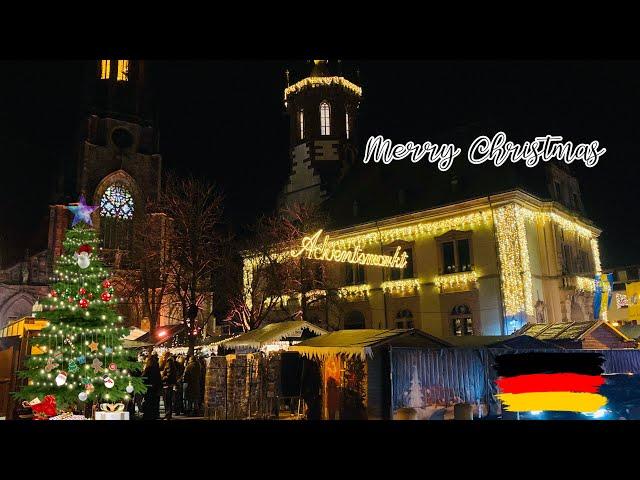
313,249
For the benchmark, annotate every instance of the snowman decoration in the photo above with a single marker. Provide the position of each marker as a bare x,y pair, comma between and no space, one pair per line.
83,256
108,381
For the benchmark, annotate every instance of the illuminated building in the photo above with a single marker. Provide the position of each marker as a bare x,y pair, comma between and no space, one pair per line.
489,249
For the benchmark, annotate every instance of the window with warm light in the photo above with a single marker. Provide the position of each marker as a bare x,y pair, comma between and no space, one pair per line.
455,252
462,321
105,69
301,123
346,122
325,119
123,70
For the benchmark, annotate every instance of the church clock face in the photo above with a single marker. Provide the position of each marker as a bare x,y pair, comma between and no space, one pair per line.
122,138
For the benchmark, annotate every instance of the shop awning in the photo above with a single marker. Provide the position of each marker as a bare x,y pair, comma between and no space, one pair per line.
271,333
360,343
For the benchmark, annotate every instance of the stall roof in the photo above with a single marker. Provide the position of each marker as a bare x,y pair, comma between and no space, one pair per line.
273,332
168,332
572,331
360,343
631,331
505,341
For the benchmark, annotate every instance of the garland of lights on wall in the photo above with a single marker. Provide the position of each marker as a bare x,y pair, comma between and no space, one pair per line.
514,260
512,249
457,281
313,82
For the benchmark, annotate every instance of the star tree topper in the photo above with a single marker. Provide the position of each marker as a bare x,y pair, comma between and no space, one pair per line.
81,212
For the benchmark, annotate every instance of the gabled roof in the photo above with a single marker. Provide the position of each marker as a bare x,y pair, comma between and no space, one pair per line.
271,333
359,343
572,331
506,341
631,331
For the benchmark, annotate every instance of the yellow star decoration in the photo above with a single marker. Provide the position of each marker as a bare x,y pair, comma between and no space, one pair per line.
93,346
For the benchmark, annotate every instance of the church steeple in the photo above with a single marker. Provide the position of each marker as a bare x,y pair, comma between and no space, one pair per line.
323,111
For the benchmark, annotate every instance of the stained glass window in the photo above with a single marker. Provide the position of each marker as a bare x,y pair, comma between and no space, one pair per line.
116,203
325,119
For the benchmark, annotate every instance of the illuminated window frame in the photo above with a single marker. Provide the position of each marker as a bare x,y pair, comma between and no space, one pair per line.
301,122
325,118
105,69
123,71
346,122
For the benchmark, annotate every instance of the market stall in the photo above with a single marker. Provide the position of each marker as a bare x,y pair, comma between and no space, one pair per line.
355,369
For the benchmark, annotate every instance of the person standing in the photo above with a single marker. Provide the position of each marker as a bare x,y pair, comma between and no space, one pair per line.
179,408
153,381
203,378
170,380
192,389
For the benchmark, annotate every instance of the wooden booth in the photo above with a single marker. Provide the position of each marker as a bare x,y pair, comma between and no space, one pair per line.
355,369
14,341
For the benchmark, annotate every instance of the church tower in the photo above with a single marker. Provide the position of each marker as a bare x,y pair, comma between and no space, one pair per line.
323,109
120,166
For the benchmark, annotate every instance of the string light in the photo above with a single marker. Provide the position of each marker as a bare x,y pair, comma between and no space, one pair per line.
457,281
400,286
314,82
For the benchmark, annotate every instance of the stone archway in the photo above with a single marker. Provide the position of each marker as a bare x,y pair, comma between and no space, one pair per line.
17,306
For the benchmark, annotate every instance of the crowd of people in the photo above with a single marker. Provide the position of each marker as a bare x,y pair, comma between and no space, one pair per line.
180,383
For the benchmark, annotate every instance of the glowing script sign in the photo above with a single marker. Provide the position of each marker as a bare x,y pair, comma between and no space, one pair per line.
315,249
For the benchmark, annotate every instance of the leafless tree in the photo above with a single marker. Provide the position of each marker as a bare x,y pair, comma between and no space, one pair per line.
194,245
145,283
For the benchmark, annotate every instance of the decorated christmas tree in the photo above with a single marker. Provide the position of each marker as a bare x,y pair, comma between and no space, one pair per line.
82,357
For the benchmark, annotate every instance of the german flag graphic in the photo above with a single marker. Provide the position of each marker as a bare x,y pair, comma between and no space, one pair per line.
562,382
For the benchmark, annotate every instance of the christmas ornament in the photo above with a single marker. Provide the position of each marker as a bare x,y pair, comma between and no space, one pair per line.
113,366
108,350
82,256
73,366
81,212
96,365
54,294
129,388
70,299
61,379
106,296
93,346
83,303
46,408
90,296
81,359
89,387
106,284
82,396
108,381
82,291
50,365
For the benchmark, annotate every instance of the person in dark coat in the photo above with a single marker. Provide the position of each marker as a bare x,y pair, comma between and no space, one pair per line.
203,378
178,403
169,380
192,389
153,381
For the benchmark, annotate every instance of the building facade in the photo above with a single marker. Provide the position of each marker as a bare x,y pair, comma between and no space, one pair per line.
484,258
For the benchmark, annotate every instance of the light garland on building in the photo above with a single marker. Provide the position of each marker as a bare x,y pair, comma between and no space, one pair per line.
354,292
400,286
313,82
457,281
596,255
514,260
585,284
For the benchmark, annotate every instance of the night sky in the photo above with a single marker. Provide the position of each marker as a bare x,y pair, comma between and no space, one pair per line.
225,121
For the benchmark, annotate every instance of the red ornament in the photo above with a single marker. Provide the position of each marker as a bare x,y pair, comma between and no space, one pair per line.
90,296
82,291
70,299
106,284
54,294
84,303
106,296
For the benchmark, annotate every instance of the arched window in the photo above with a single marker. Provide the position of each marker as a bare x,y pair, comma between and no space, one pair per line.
301,123
461,320
404,319
346,123
325,119
354,320
116,210
123,70
105,69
